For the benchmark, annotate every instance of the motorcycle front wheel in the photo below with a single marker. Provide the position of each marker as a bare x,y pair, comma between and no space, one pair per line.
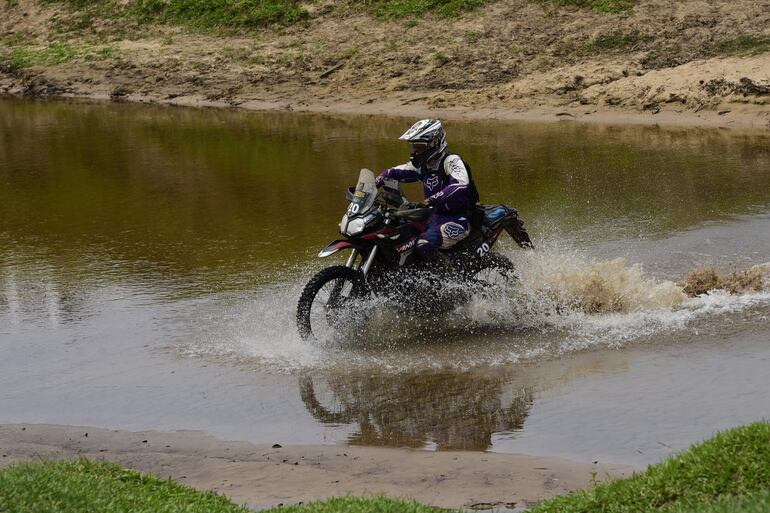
325,305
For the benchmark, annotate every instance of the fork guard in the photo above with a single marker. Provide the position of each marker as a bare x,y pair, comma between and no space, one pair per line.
337,245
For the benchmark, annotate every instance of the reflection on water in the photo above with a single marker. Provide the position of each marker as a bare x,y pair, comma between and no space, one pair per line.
142,231
445,410
38,299
193,201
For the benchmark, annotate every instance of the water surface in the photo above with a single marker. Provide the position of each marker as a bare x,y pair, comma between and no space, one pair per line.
151,259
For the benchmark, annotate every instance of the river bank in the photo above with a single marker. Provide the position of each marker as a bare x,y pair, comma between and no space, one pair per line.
136,293
693,63
269,475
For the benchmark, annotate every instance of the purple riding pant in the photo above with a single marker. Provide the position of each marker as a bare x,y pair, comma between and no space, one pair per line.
443,232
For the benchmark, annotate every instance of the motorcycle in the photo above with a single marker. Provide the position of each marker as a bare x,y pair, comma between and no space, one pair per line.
381,232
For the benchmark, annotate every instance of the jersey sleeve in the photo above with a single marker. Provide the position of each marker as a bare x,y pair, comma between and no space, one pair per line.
454,196
403,173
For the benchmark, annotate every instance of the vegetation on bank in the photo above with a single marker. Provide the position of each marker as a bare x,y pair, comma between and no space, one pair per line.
100,21
251,14
731,470
254,14
219,13
85,485
606,6
752,503
744,45
404,8
729,473
56,53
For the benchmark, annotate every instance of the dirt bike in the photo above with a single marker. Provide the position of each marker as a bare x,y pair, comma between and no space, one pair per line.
381,234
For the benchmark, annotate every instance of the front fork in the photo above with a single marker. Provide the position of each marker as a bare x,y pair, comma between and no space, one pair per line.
366,265
369,261
352,258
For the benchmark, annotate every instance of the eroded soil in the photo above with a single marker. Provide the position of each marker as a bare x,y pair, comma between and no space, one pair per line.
513,58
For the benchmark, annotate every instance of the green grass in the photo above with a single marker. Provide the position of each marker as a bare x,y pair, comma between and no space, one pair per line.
394,9
603,6
752,503
220,13
254,14
98,486
744,45
85,486
734,463
55,53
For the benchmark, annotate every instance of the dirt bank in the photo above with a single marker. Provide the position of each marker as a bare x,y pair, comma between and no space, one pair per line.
694,62
266,476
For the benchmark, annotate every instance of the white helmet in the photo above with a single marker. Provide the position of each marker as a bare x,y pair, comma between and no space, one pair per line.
428,139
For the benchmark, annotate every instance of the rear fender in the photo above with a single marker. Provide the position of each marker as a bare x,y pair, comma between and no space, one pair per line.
337,245
514,225
515,228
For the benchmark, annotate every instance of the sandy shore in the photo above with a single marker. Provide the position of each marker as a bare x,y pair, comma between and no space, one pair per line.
263,476
666,63
744,117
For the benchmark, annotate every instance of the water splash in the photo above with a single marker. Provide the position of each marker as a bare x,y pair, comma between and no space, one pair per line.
608,303
708,279
563,303
601,287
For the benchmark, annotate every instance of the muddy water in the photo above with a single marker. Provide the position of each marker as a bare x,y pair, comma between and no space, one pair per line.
151,258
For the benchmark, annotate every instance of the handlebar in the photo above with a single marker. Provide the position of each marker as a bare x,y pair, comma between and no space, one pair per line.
414,214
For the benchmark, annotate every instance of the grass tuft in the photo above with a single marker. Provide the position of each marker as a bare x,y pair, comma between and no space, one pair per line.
85,485
252,14
394,9
744,45
602,6
732,464
55,53
220,13
752,503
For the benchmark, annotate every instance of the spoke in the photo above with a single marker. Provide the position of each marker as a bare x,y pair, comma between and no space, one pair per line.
327,311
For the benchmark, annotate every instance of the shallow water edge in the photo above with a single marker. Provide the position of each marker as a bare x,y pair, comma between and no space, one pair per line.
749,116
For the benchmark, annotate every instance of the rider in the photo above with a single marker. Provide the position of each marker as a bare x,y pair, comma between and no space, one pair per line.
447,182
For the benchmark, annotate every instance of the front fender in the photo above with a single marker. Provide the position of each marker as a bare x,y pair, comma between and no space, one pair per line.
336,246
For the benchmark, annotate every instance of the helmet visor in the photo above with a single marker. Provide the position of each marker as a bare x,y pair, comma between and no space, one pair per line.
418,148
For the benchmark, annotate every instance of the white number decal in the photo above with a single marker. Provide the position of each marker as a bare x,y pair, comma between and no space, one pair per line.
483,249
354,208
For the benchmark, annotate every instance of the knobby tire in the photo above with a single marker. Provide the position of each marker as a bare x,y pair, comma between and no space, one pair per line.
338,273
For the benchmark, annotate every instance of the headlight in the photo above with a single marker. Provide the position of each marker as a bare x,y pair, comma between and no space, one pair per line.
356,226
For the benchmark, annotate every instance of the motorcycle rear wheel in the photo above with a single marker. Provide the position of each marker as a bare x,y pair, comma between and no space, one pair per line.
323,310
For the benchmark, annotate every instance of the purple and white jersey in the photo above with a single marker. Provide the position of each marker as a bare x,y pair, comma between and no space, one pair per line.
446,186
